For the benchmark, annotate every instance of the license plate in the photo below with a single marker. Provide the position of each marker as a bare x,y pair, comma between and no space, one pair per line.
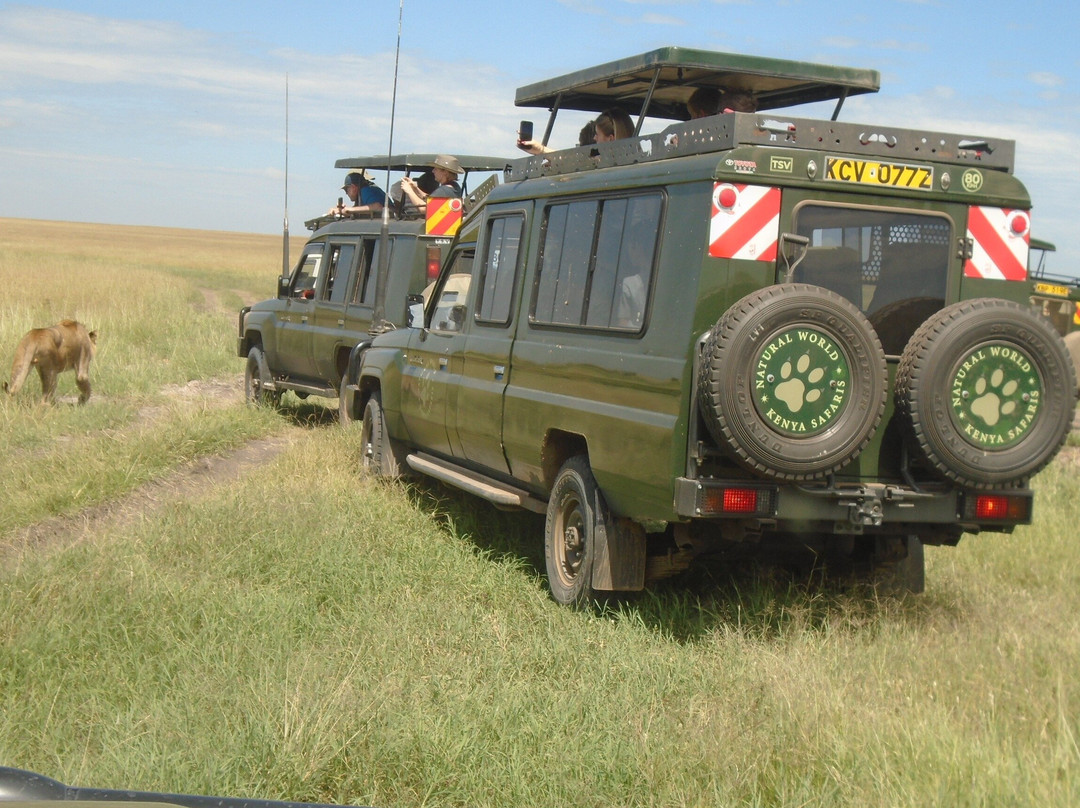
1051,289
870,172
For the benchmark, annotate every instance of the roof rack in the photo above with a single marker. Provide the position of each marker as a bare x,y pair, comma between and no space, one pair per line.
658,83
725,132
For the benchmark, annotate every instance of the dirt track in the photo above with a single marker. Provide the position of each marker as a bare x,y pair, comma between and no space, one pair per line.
202,475
187,481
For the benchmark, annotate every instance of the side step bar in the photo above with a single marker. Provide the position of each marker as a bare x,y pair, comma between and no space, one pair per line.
495,492
300,387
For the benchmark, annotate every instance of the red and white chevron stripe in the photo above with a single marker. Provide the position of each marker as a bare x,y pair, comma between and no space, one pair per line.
745,222
999,238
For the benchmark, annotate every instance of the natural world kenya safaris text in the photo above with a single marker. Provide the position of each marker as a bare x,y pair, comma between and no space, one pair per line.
398,644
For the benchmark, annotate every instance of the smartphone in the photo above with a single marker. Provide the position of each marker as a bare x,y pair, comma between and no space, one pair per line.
525,130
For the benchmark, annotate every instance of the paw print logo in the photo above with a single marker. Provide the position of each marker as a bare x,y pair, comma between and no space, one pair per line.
992,402
797,387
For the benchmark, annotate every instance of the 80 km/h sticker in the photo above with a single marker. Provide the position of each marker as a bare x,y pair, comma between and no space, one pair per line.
869,172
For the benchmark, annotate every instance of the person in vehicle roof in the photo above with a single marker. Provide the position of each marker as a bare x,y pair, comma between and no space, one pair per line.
446,169
738,101
613,124
365,196
704,101
586,137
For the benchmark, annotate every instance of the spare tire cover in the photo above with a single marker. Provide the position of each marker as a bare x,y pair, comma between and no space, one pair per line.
793,381
986,390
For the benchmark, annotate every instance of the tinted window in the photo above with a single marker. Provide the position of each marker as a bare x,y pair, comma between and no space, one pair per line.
450,309
872,256
306,274
496,292
367,271
597,262
337,272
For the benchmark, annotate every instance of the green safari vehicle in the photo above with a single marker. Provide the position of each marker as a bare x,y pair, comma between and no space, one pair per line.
750,330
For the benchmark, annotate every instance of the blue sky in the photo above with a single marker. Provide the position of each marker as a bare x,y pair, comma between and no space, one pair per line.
173,113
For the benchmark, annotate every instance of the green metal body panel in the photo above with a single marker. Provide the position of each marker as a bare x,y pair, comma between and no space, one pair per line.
307,342
507,400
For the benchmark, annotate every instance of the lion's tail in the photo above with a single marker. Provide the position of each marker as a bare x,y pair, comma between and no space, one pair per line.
20,368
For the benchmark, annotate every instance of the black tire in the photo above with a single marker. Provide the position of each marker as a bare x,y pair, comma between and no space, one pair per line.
1072,343
380,454
793,382
895,322
576,512
254,392
986,392
347,411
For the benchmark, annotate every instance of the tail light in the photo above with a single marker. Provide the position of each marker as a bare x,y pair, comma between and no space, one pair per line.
735,501
1014,508
434,261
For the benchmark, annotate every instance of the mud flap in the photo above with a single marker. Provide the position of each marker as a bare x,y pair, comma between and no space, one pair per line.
619,560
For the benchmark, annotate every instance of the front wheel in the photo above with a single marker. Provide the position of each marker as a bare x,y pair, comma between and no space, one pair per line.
381,454
347,414
255,394
576,515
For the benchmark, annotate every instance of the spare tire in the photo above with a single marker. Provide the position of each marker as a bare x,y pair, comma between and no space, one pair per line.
986,391
793,382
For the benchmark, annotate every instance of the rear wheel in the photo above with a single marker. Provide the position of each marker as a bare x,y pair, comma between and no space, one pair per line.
576,512
793,382
986,390
255,394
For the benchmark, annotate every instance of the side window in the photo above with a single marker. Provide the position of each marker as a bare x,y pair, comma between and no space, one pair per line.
496,293
367,272
337,272
597,262
450,310
306,274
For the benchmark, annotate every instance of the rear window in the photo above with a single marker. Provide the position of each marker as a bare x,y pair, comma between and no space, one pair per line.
892,264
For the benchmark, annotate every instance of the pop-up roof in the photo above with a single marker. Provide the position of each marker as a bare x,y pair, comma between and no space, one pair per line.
657,84
422,162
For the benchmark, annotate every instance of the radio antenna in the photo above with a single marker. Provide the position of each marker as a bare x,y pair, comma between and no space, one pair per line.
378,318
285,267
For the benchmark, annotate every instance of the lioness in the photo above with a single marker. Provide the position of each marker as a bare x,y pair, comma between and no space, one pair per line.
64,346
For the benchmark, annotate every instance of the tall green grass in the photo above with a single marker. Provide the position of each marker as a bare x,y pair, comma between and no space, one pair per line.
308,633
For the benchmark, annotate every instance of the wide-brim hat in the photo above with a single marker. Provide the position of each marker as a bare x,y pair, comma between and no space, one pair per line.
448,162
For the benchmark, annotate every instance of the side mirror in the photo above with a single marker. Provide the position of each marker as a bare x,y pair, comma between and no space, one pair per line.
283,286
415,315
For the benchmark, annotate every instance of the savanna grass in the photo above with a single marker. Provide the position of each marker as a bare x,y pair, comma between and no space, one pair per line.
164,303
306,632
312,634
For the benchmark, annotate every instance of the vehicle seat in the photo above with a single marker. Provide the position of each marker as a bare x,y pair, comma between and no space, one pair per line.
911,270
835,268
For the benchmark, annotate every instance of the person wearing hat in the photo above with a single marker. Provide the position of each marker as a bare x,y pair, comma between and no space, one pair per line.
446,170
366,197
